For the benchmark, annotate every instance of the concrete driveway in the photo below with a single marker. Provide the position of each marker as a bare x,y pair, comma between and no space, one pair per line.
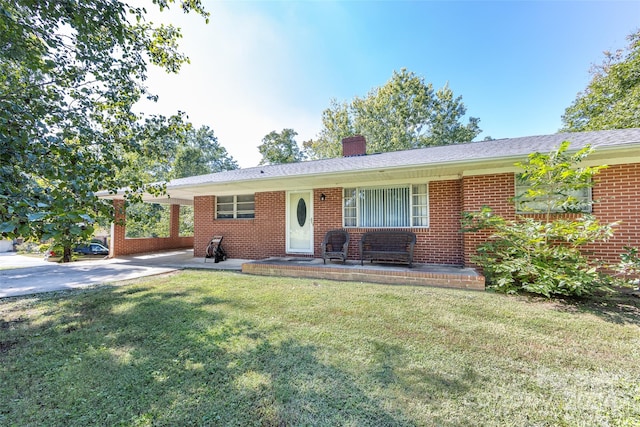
23,275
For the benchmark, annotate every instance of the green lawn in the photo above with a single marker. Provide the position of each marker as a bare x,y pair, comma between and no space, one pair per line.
214,348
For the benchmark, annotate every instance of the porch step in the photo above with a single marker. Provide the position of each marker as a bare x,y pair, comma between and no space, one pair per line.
420,274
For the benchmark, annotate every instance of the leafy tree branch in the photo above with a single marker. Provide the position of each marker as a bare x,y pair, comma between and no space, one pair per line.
72,73
612,98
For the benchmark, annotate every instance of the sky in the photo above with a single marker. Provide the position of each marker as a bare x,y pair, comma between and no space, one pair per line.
262,66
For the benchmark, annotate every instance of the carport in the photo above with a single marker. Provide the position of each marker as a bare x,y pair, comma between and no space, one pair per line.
123,245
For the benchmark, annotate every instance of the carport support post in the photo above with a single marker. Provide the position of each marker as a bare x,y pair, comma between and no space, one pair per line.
174,232
118,229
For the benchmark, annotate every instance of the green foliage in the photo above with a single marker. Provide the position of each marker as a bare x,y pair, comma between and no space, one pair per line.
278,148
72,73
154,220
187,226
543,256
629,266
404,113
148,220
200,154
539,257
612,98
30,248
336,125
553,179
182,154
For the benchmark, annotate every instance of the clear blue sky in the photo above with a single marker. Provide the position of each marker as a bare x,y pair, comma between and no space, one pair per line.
264,66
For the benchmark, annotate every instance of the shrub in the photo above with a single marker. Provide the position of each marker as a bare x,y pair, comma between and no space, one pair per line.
629,266
539,257
28,248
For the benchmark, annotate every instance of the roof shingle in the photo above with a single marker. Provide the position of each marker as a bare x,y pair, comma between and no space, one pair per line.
460,153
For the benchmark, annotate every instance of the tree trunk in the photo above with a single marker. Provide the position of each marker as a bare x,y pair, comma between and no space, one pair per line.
66,256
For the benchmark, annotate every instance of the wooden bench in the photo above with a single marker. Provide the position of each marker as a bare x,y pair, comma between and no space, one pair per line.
387,245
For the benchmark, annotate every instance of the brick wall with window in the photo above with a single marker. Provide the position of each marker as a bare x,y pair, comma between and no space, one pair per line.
616,193
439,243
248,238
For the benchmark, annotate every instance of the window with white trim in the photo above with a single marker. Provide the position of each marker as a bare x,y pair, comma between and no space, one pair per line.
236,207
575,201
386,207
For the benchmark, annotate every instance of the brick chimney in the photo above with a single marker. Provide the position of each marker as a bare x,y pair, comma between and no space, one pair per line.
354,146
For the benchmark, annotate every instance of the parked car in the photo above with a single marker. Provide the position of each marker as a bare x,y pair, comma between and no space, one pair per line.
91,249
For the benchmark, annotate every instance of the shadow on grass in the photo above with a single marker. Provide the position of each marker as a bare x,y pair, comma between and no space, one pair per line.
618,306
128,356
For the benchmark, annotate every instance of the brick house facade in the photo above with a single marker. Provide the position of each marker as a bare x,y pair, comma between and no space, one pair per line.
263,236
458,178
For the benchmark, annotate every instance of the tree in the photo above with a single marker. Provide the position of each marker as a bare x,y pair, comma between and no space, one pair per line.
544,255
200,154
71,75
187,152
193,152
336,125
446,121
278,148
612,98
402,114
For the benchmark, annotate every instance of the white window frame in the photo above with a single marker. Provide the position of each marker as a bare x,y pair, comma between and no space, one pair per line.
536,207
237,213
418,199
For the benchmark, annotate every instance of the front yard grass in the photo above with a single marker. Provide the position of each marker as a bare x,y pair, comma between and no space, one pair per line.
205,348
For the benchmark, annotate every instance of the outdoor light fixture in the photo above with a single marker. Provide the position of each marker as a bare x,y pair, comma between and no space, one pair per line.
322,197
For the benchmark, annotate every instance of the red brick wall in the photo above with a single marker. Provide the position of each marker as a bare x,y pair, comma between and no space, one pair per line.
261,237
354,146
120,245
203,212
616,192
494,191
616,189
151,244
327,215
174,226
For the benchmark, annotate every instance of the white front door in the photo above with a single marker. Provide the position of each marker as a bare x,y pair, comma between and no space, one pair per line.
300,222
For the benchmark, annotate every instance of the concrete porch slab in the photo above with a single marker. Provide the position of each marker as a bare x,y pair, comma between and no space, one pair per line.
420,274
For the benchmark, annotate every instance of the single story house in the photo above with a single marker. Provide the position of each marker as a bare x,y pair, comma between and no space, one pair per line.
285,210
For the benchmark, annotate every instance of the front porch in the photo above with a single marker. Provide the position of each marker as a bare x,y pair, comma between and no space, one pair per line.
313,268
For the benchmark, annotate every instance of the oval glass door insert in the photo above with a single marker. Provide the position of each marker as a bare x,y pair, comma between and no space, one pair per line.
302,212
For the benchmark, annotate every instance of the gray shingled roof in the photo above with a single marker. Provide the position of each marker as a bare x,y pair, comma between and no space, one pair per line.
451,154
